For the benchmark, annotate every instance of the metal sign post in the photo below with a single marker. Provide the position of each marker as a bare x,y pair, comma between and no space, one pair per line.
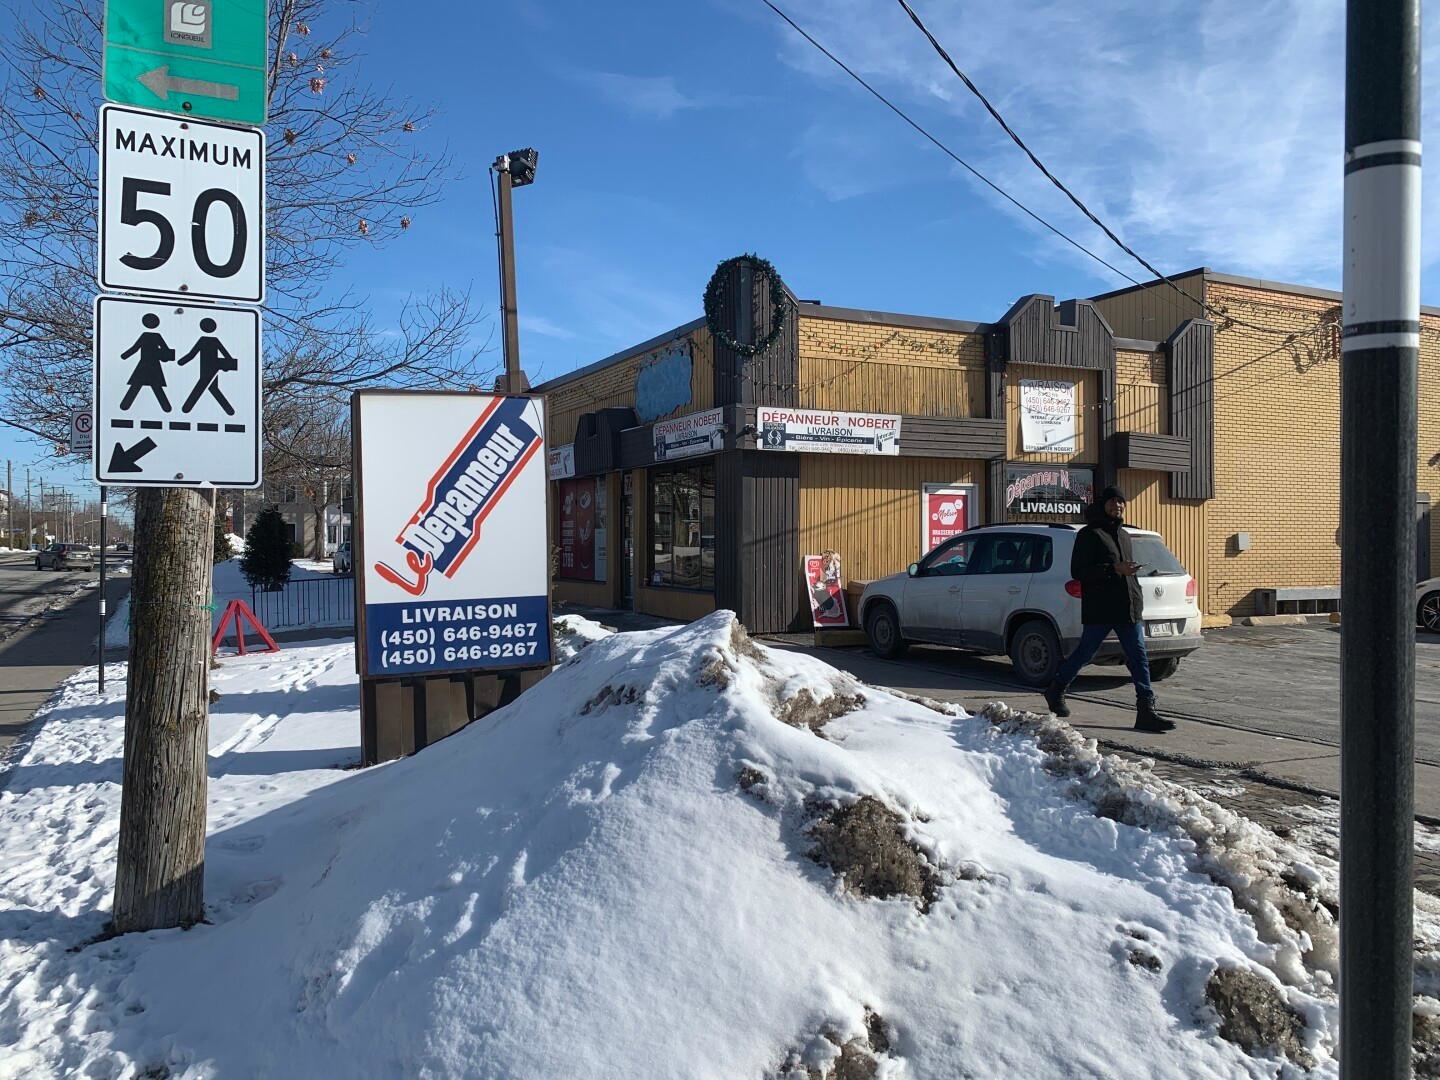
194,57
1381,351
104,516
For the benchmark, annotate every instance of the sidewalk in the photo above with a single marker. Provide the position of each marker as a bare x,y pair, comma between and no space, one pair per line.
39,657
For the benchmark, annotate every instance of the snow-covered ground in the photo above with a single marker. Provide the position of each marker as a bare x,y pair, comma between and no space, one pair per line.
230,584
681,855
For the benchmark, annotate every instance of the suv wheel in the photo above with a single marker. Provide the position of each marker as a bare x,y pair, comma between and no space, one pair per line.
1429,614
1035,652
38,566
1164,667
882,627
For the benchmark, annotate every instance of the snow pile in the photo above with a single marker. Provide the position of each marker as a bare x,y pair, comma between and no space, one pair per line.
682,854
573,633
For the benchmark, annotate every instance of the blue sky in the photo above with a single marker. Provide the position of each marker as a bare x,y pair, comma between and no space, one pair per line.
674,135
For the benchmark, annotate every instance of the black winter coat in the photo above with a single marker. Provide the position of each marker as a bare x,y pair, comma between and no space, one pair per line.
1106,598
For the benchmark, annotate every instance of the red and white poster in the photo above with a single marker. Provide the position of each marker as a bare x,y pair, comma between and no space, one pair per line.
577,520
826,587
945,511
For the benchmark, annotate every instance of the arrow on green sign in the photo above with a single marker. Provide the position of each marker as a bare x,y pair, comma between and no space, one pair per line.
203,58
163,84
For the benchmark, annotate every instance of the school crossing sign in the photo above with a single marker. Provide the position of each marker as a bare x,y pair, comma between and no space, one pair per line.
177,394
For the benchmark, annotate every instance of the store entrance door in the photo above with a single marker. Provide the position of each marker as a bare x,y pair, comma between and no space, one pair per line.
627,542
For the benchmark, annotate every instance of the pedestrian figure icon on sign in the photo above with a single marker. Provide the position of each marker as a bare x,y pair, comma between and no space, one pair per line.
214,358
149,373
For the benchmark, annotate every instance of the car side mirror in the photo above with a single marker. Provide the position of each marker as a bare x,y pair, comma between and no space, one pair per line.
914,570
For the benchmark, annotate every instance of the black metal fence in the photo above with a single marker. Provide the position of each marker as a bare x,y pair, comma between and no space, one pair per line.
307,602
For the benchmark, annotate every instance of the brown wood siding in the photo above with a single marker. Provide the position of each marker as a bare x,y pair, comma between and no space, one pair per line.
757,562
1087,402
770,377
868,508
1153,312
872,367
1072,335
1182,524
1159,453
588,593
615,386
927,436
1191,378
681,604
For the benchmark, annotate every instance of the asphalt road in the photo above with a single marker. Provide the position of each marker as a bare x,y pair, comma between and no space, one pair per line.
49,622
1279,681
1261,700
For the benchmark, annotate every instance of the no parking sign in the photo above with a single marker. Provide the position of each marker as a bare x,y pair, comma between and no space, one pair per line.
82,424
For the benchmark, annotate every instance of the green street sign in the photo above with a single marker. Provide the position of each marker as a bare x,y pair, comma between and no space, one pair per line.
195,57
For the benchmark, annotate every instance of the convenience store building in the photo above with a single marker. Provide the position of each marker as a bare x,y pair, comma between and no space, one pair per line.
696,470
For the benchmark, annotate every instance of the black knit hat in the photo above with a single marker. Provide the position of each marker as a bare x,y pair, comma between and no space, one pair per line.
1111,492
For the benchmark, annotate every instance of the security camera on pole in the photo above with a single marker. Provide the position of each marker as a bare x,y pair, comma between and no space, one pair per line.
177,390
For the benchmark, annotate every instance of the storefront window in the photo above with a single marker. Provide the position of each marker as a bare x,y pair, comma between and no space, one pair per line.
1047,492
682,527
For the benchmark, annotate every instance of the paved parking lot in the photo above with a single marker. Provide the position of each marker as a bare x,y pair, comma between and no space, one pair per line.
1282,680
1263,699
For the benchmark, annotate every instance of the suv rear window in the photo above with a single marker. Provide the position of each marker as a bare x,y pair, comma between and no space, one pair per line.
1152,554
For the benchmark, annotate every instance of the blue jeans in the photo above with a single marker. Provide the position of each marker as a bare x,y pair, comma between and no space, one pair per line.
1132,640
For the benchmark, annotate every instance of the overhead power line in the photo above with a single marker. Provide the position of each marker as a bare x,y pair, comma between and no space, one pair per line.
945,149
1034,158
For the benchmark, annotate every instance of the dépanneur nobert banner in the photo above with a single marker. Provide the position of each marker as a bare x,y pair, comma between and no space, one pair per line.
453,532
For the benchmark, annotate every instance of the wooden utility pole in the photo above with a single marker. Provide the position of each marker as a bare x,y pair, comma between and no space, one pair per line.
160,876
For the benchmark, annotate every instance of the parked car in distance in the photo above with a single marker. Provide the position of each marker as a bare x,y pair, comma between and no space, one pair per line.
340,562
65,557
1427,605
1006,590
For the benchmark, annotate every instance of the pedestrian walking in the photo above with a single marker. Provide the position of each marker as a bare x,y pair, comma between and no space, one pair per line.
214,358
149,371
1103,562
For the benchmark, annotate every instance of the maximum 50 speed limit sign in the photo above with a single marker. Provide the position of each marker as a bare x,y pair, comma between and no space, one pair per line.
181,206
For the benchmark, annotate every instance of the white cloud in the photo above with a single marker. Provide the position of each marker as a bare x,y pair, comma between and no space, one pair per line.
609,307
535,324
1201,133
656,95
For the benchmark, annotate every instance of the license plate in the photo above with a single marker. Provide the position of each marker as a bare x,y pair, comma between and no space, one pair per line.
1160,629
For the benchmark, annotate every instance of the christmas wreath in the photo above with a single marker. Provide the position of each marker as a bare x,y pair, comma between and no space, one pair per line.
715,297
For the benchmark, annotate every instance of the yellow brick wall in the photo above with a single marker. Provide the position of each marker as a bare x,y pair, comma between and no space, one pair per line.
1142,402
864,367
1277,428
615,386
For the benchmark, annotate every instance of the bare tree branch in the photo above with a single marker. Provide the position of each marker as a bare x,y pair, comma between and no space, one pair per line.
346,166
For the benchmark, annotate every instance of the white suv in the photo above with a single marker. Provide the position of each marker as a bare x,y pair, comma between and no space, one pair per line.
1006,589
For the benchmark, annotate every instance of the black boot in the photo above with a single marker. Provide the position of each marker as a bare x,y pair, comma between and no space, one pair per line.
1055,698
1147,719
